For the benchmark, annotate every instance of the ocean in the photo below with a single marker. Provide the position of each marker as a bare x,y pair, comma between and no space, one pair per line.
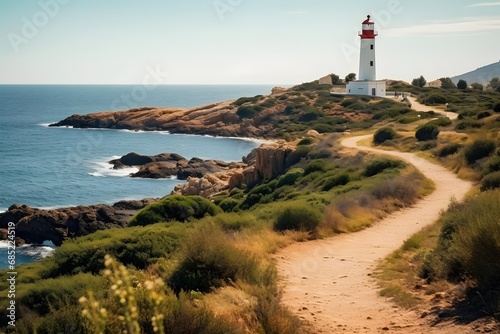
48,167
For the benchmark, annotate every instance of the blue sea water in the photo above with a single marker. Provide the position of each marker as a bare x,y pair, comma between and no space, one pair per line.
47,167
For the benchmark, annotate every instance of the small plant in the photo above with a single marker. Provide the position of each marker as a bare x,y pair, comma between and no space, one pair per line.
491,181
299,217
449,150
384,134
377,166
479,149
175,208
427,131
334,181
306,141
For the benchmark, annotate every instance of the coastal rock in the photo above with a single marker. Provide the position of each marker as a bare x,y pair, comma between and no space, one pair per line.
57,225
170,164
268,161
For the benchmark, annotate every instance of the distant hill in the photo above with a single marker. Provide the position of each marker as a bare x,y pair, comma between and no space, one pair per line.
481,75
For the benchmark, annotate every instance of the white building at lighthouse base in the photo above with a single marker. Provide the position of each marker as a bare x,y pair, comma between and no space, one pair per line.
366,87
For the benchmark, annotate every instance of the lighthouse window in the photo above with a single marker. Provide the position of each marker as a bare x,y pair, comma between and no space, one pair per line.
371,63
371,46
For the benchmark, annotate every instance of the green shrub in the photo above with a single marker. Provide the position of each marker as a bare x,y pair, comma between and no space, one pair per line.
463,125
442,121
248,111
306,141
482,114
496,108
490,181
175,208
324,128
229,204
408,119
384,134
492,165
135,246
378,165
318,165
479,149
449,150
469,243
427,131
210,261
290,177
334,181
434,98
56,293
298,217
243,100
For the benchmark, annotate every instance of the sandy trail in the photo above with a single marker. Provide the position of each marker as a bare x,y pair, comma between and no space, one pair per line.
327,282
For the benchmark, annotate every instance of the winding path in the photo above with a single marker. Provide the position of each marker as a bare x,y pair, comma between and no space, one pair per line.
327,282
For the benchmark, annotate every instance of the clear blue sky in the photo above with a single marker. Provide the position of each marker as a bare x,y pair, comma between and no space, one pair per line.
239,41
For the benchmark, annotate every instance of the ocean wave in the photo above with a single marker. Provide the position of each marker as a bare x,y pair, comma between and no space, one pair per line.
105,169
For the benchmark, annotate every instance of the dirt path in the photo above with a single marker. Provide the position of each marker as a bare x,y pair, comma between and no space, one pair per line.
328,283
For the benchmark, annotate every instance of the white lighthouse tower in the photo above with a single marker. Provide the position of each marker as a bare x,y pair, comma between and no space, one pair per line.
367,83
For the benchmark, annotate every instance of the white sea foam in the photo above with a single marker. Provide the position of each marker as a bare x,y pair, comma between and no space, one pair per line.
105,169
34,251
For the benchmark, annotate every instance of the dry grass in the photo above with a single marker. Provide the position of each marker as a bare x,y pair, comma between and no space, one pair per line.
354,212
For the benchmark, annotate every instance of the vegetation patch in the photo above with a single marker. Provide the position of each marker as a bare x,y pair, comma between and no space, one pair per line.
175,208
298,218
383,134
427,131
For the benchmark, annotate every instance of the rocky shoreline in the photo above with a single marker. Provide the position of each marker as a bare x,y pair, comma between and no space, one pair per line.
203,178
34,226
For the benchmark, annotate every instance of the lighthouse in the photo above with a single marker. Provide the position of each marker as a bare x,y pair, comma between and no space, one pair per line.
367,83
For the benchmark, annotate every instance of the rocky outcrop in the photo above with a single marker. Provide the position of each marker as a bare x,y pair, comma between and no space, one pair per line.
170,164
57,225
218,119
265,162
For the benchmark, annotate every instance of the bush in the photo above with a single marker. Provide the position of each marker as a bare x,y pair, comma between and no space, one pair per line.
298,217
324,128
492,165
490,181
248,111
384,134
442,121
306,141
449,150
318,165
334,181
49,294
229,204
427,131
479,149
434,98
469,243
243,100
175,208
136,246
408,119
210,261
377,166
496,108
483,114
290,177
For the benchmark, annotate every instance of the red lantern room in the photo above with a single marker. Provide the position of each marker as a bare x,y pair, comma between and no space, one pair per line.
368,29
